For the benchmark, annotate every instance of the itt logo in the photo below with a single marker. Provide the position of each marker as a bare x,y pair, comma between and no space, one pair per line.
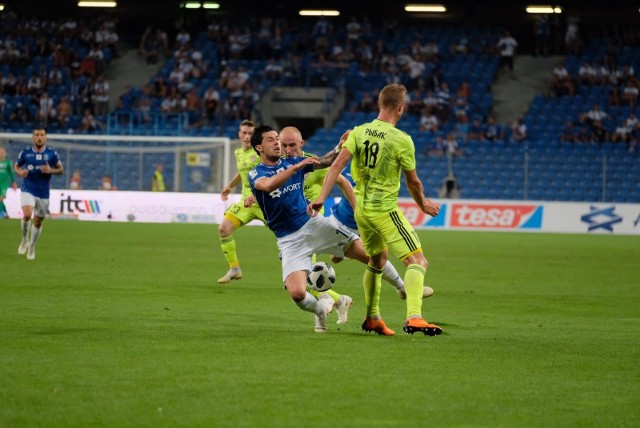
601,218
70,206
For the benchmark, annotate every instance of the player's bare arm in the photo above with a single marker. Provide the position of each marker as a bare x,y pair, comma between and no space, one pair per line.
226,190
269,184
347,190
414,185
336,168
329,158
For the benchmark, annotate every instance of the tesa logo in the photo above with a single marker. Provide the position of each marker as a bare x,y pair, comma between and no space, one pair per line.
498,216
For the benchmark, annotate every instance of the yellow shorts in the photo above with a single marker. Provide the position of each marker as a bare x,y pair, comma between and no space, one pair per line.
239,215
389,230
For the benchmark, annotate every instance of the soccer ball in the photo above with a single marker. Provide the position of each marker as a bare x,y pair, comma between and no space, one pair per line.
322,277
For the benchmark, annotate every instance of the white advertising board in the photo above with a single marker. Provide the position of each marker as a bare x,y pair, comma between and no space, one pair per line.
526,216
147,207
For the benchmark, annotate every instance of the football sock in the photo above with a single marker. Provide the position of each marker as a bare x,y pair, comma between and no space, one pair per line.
35,233
391,275
228,246
313,292
310,304
24,225
413,280
335,296
371,282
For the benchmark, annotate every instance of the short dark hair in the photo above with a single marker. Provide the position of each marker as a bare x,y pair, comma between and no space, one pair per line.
256,137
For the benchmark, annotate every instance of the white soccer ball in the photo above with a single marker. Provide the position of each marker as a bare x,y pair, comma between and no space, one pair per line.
322,277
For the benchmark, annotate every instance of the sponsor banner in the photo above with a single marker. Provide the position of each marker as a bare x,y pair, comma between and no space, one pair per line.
121,206
166,207
557,217
594,218
488,215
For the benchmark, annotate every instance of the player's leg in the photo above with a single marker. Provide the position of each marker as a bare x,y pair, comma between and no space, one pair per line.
405,244
372,278
389,272
296,263
328,237
232,220
40,211
3,208
228,246
28,203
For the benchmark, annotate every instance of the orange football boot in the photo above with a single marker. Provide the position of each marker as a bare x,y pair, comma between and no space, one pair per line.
418,324
378,326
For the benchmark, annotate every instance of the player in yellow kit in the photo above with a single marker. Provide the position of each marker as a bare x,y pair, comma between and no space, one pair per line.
381,153
237,215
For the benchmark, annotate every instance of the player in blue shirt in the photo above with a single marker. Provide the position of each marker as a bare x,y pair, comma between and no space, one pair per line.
35,165
278,186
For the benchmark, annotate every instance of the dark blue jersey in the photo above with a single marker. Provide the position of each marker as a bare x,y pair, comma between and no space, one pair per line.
343,210
37,182
284,209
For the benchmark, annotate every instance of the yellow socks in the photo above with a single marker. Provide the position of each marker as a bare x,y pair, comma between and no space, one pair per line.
413,286
228,246
371,282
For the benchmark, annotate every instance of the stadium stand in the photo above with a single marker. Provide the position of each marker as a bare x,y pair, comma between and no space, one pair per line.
211,81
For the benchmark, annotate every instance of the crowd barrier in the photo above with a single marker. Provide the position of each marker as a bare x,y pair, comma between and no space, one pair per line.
479,215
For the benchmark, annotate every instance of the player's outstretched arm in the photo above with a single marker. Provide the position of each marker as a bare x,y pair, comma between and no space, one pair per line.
329,180
226,190
328,159
269,184
414,185
347,190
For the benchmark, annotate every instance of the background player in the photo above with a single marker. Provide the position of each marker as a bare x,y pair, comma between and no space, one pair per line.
237,215
380,153
35,165
6,180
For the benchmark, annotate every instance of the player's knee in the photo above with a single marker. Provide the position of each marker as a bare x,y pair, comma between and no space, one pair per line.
225,229
417,259
297,295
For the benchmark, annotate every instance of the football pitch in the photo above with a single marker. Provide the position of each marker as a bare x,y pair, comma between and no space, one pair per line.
124,325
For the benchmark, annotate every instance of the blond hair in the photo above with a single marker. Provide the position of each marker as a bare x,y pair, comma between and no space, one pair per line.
392,96
248,123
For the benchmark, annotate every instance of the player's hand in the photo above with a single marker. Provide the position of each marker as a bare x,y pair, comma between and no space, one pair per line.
314,207
45,169
249,200
431,208
14,186
311,160
224,195
23,173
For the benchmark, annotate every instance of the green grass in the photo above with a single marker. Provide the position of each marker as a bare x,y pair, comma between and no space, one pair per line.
124,325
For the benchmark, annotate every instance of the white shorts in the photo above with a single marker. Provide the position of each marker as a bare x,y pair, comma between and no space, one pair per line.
341,224
318,236
41,206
